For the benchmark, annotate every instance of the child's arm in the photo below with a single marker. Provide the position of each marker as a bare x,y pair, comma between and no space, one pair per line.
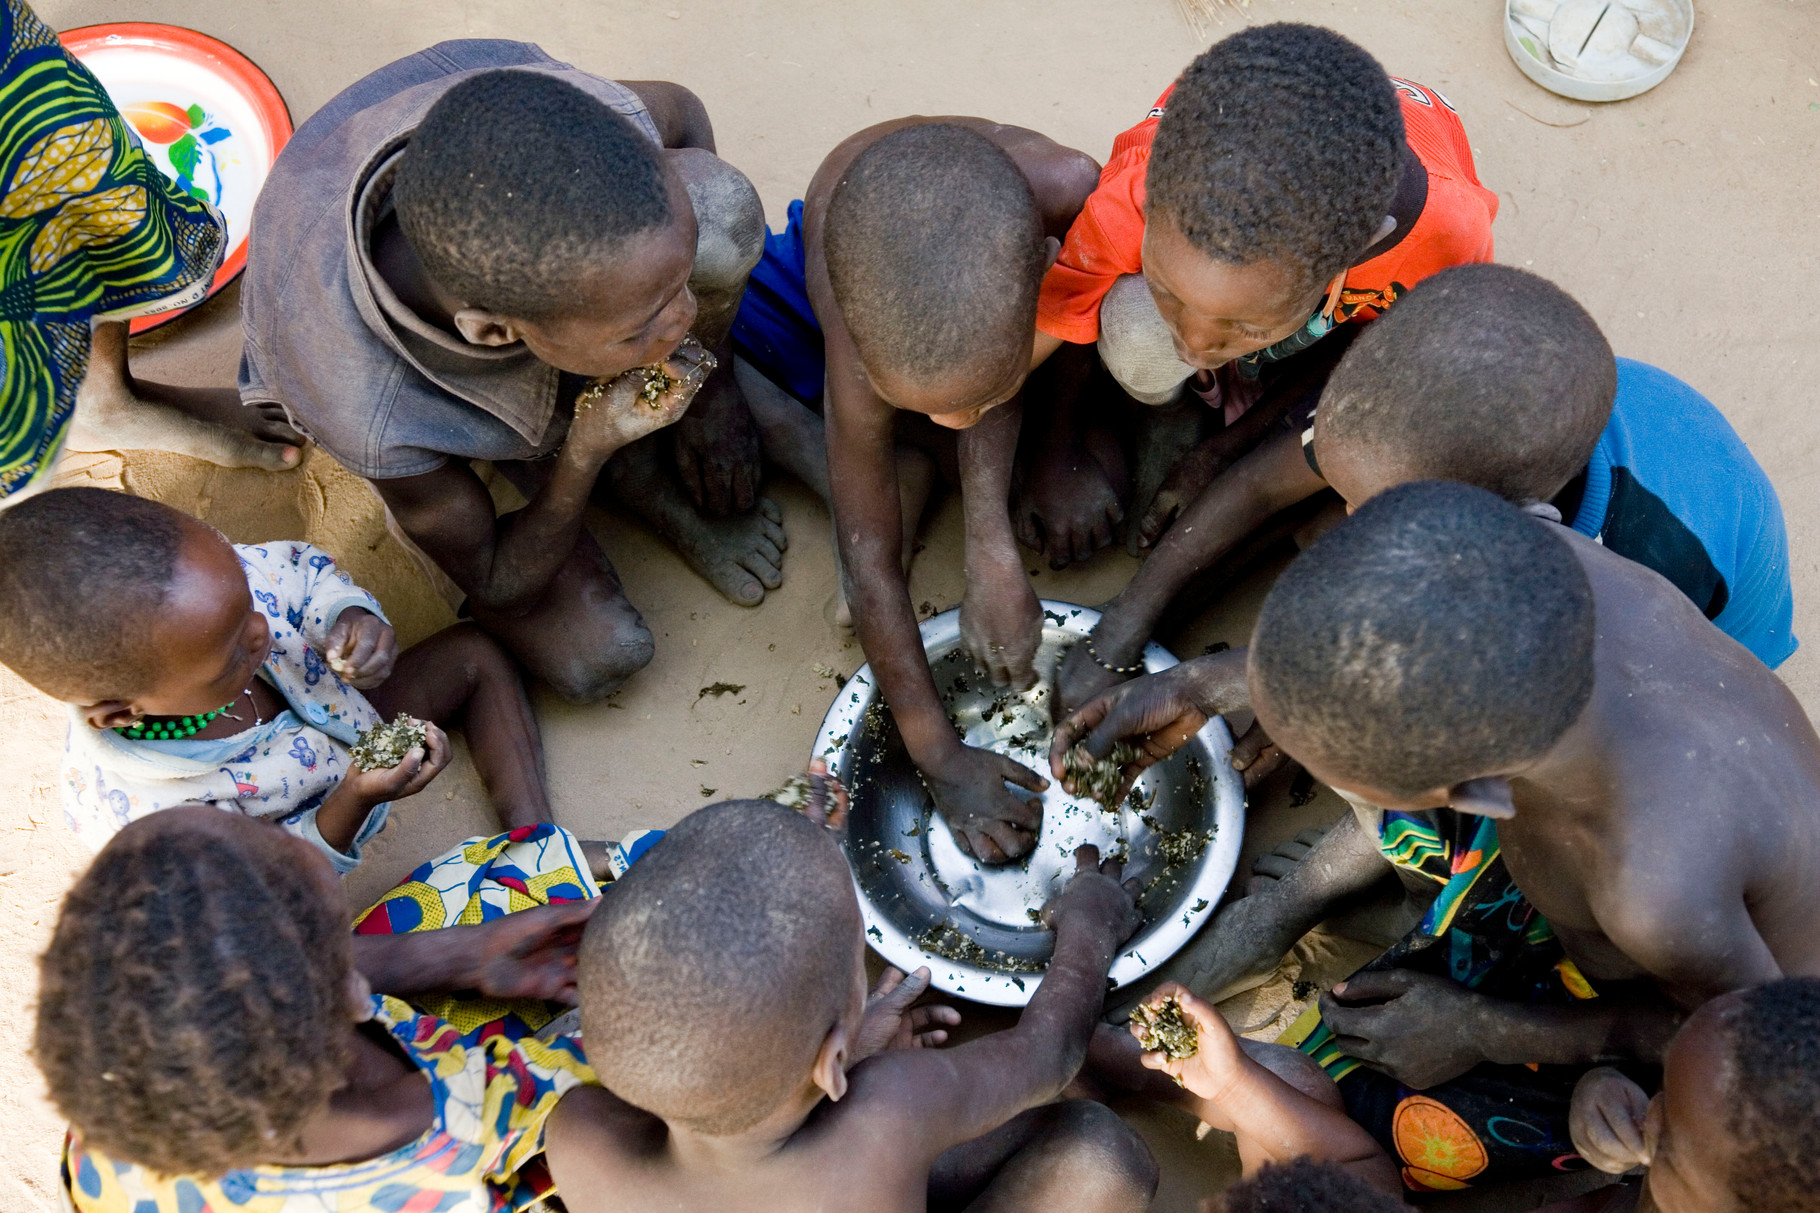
1274,1122
680,117
941,1098
1269,479
505,563
344,810
967,784
528,954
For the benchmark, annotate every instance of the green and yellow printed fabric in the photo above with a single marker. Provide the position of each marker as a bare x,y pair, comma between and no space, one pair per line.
88,227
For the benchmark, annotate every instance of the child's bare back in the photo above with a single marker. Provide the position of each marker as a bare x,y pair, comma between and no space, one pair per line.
757,1074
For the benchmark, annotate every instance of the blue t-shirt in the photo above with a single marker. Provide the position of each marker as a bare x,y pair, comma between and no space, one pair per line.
1673,487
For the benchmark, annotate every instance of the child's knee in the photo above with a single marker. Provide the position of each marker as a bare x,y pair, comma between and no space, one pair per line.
1105,1147
1297,1069
729,221
1135,344
590,674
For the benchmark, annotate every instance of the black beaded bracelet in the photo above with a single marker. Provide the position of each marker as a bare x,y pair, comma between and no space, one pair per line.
1111,669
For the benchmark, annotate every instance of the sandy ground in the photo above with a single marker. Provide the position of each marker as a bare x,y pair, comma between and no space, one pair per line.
1682,219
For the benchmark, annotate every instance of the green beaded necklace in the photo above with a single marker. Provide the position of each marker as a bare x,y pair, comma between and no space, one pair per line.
175,729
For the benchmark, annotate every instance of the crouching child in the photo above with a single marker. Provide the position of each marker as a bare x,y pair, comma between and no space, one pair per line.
725,1011
240,675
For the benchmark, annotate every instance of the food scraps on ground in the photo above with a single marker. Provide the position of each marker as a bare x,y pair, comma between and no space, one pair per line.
721,688
1165,1028
384,745
1099,779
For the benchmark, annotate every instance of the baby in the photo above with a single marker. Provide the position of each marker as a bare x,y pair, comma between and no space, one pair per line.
725,1011
199,671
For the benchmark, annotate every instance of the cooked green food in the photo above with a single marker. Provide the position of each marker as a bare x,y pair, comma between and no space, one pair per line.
794,794
1099,780
947,940
657,382
1165,1028
385,745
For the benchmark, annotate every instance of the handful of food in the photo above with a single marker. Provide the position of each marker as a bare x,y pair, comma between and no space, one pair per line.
658,381
1099,779
1165,1028
795,794
384,745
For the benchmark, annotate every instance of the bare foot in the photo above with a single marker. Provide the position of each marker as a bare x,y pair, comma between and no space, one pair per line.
716,446
1071,502
114,412
741,556
1165,432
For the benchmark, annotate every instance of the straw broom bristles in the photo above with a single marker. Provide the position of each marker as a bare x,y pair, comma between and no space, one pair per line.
1202,15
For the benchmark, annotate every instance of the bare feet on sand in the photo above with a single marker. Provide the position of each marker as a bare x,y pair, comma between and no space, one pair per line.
115,412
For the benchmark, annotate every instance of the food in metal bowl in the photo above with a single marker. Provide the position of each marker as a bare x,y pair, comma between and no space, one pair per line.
926,901
1099,778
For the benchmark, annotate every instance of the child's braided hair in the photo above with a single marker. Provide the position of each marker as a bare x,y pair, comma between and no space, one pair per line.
190,998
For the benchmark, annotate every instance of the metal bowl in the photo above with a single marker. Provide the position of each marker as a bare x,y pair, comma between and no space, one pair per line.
926,902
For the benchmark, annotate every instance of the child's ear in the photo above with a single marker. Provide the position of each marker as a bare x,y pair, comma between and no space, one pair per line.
830,1069
1488,797
1052,248
478,326
110,714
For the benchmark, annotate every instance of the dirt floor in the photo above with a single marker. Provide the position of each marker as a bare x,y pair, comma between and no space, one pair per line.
1683,220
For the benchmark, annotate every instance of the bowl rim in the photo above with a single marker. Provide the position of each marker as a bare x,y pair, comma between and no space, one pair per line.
1162,940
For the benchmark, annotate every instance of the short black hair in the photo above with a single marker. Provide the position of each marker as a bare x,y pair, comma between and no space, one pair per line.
715,968
81,570
1307,1186
1283,142
515,180
934,250
1436,635
1483,374
1775,1099
192,1005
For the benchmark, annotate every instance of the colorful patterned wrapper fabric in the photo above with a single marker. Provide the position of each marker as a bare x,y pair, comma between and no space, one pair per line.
88,227
493,1083
475,882
1494,1123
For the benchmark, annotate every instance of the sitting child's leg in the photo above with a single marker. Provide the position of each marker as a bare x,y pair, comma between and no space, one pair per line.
462,675
1076,1155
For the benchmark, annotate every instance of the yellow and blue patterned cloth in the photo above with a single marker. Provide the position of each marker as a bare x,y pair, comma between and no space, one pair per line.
88,228
494,1084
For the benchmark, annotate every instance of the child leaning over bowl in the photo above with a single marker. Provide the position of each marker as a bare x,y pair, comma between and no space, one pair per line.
239,675
743,1066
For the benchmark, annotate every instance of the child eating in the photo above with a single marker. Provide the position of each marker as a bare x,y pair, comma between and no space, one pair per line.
724,1006
1280,193
1495,377
1733,1127
210,1027
199,671
1611,803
